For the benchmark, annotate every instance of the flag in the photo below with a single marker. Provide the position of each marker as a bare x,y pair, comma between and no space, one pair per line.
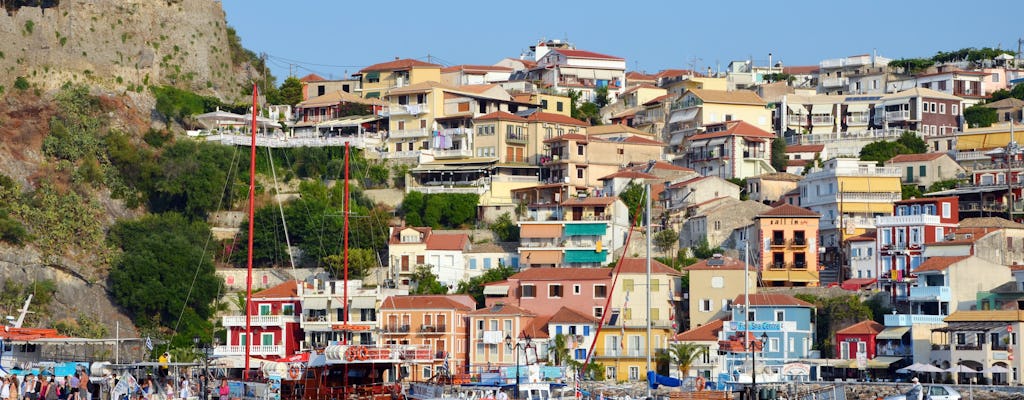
149,343
625,305
447,371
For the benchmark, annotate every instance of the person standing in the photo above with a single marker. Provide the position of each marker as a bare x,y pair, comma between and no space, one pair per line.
5,391
32,387
916,391
224,390
184,390
83,386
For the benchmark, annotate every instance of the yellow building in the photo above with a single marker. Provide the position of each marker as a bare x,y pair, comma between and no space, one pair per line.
788,246
623,345
583,160
714,283
514,146
699,107
377,79
972,143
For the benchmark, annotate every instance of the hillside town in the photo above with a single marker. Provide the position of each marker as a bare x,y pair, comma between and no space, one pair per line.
933,232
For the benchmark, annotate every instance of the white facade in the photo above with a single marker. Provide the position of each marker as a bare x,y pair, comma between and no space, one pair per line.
863,259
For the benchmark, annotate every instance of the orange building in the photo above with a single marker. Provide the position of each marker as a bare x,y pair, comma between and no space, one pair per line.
788,238
435,321
489,327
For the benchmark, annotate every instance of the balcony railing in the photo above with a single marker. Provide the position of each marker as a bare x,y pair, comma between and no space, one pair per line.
798,242
453,153
408,109
777,265
409,133
907,220
981,206
433,328
396,328
901,115
930,293
260,320
1000,347
797,120
799,265
457,131
857,119
835,82
817,120
401,154
968,346
256,350
778,242
516,137
754,154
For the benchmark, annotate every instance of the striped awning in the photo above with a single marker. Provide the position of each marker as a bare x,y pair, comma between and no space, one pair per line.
496,290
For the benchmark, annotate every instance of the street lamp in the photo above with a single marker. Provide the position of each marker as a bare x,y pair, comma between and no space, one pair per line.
519,345
201,350
753,366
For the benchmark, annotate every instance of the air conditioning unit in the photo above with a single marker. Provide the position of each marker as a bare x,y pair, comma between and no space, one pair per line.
950,236
968,235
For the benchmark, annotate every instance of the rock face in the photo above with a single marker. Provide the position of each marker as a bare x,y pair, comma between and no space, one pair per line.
121,45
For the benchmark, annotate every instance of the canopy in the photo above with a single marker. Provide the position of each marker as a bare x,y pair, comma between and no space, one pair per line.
797,109
496,290
683,115
961,369
354,120
540,231
996,369
315,303
857,108
364,302
892,333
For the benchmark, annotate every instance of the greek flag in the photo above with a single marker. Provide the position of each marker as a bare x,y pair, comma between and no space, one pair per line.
149,343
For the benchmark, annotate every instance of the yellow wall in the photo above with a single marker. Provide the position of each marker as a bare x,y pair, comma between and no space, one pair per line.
701,288
870,184
758,116
789,226
501,193
622,362
553,101
709,83
417,75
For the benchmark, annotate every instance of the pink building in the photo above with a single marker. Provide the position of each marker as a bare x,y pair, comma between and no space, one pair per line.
274,318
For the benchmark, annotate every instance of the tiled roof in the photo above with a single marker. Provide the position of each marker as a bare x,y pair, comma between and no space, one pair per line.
502,309
671,73
398,65
568,136
26,334
589,201
585,54
477,89
797,163
805,148
311,78
780,176
642,140
476,68
869,236
639,266
728,97
733,128
555,118
865,327
500,115
638,87
288,289
568,315
561,274
628,174
986,316
800,69
704,333
939,263
537,329
772,299
429,302
789,210
447,241
728,263
396,236
900,158
640,76
627,113
658,99
1009,102
989,222
920,92
688,182
658,165
336,97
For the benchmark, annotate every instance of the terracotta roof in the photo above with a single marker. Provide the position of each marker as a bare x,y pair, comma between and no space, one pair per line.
670,73
628,113
642,140
865,327
728,97
500,115
780,176
589,201
628,174
477,89
728,263
772,299
429,302
939,263
568,136
396,236
398,65
447,241
797,163
638,87
502,309
704,333
733,128
1009,102
537,329
688,182
658,99
639,266
900,158
989,222
561,274
568,315
647,167
288,289
25,334
555,118
640,76
337,97
585,54
311,78
800,69
476,68
869,236
805,148
789,210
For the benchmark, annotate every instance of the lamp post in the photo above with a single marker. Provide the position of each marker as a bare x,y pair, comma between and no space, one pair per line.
201,350
753,366
518,345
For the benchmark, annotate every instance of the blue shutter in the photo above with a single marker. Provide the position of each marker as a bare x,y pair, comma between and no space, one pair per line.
586,330
487,263
472,263
558,329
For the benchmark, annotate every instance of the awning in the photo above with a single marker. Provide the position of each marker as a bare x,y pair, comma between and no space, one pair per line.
797,109
348,121
596,229
372,95
372,75
585,256
496,290
857,108
540,257
314,303
875,363
676,140
711,143
683,115
364,302
545,231
892,333
754,140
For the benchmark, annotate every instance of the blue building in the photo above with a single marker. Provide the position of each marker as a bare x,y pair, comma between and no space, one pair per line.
784,323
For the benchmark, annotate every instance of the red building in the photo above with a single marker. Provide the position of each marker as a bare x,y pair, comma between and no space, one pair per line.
901,237
857,338
274,318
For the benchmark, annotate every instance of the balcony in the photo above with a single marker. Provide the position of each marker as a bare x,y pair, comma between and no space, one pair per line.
439,329
401,154
407,109
930,293
513,137
896,116
409,133
835,82
260,320
798,242
978,206
820,120
911,319
256,350
907,220
778,242
802,265
857,119
778,265
396,329
800,120
457,131
453,153
754,154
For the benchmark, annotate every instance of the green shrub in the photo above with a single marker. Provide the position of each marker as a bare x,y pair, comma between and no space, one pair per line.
30,26
21,83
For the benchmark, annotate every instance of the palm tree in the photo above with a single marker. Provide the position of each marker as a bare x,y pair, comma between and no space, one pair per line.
684,355
559,350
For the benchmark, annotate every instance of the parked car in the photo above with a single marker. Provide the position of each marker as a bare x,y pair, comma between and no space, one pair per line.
932,392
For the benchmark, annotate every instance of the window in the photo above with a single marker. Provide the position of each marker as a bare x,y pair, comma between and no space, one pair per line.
576,289
544,104
634,373
717,282
955,109
558,106
529,291
627,285
600,291
579,149
579,173
922,171
705,305
472,263
780,315
773,344
598,312
464,106
942,108
933,108
554,291
403,100
423,124
264,309
266,339
655,285
288,309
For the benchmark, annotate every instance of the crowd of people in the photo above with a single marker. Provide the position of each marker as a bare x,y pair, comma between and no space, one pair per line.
79,386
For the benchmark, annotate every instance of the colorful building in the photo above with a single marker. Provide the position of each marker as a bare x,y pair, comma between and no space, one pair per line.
903,236
788,246
434,321
274,321
714,284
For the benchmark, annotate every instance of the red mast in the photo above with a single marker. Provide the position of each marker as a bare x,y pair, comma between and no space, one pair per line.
344,255
252,206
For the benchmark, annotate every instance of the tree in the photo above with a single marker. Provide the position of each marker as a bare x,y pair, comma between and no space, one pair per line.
833,314
590,112
574,104
193,177
911,65
360,262
378,175
779,154
665,240
163,277
704,251
559,350
424,281
412,208
505,228
943,185
882,151
779,77
601,96
475,285
742,183
684,355
633,196
291,91
910,191
979,116
913,143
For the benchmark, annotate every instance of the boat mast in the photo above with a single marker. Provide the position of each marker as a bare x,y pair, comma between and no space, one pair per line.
344,257
746,304
252,206
647,220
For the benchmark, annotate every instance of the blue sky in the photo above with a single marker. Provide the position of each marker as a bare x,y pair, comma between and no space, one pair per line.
336,38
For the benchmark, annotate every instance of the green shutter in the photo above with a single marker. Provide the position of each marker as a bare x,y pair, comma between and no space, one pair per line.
373,95
372,75
597,229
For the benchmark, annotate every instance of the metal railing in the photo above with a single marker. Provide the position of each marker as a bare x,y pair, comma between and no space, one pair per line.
401,154
409,133
395,328
453,153
259,320
901,115
258,350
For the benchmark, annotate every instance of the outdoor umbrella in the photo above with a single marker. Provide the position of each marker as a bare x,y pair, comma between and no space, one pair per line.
930,368
960,369
996,369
